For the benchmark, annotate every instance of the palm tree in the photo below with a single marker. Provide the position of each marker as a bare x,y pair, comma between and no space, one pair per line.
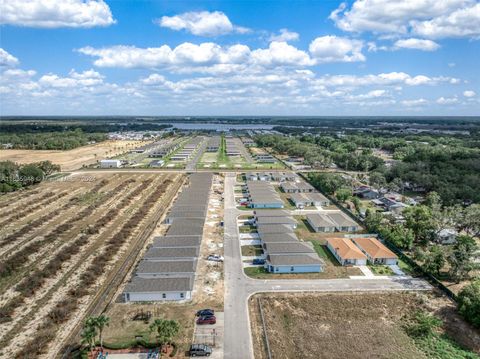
88,335
166,329
100,323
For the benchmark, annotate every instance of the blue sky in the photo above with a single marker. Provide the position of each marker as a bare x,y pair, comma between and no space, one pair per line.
362,57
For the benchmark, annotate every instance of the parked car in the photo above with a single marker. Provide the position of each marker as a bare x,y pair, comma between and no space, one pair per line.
200,350
210,319
215,258
205,312
258,261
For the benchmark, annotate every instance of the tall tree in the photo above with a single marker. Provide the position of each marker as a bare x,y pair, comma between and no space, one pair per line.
461,259
434,260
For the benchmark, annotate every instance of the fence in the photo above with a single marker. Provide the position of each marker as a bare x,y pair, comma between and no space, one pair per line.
267,344
432,279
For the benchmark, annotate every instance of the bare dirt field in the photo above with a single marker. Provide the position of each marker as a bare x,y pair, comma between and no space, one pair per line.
72,159
207,293
63,245
348,325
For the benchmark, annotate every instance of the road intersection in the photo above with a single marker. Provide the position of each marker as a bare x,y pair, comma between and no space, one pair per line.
239,287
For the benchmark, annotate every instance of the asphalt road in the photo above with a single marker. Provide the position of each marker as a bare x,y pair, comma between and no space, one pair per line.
192,163
239,287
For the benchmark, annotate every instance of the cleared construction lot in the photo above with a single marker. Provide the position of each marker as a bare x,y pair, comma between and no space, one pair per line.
64,246
72,159
350,325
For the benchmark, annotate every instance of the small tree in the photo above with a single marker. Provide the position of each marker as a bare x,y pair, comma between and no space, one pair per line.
343,194
166,329
89,334
100,323
461,259
434,260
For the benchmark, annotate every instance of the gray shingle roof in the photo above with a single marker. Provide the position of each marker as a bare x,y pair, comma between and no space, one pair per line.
145,267
271,213
146,285
186,227
274,228
276,220
171,253
288,248
177,241
278,237
294,259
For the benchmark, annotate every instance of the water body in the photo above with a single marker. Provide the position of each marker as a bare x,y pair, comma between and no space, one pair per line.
219,126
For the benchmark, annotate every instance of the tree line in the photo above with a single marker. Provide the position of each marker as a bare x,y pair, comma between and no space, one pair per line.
14,176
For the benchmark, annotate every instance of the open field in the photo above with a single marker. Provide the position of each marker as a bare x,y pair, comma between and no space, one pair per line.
63,248
72,159
360,325
208,290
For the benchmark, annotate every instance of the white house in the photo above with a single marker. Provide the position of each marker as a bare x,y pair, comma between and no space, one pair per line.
158,289
294,263
110,163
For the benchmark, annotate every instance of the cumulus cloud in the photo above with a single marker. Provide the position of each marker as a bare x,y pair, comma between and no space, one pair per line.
414,103
385,79
447,100
7,60
285,35
427,18
336,49
416,44
469,93
55,13
464,22
203,23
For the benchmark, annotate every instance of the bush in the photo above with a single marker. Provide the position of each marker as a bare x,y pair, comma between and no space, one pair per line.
469,303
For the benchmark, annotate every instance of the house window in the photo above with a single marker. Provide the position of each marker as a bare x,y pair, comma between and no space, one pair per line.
292,269
164,296
182,295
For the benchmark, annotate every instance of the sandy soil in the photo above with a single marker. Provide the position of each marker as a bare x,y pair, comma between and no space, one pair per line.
72,159
360,325
32,313
207,293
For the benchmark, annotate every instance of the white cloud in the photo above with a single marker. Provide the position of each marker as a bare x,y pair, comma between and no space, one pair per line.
188,57
336,49
469,93
414,103
281,53
55,13
201,23
427,18
385,79
464,22
447,100
85,78
416,44
7,60
285,35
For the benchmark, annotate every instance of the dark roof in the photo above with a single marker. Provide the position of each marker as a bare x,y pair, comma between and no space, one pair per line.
276,220
177,241
186,227
294,259
274,228
171,253
145,285
278,237
271,213
166,267
286,248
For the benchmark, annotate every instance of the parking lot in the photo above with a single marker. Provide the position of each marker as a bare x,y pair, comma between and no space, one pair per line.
211,335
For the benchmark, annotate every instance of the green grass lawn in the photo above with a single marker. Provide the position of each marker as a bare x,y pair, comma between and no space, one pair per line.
252,251
247,229
324,253
381,270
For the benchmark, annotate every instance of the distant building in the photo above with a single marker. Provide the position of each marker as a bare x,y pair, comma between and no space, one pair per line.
110,164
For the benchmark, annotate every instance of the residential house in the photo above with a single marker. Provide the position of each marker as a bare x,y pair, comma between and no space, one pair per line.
295,263
158,289
376,252
346,252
